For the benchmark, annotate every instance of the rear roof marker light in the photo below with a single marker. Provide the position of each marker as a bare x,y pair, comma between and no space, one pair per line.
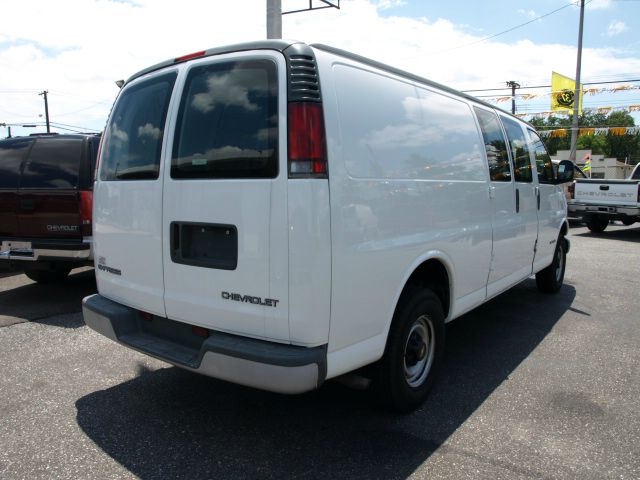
184,58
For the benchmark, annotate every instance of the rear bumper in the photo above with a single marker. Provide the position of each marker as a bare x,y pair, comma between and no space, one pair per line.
585,209
246,361
46,250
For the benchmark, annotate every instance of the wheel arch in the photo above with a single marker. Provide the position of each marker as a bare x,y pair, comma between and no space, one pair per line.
434,270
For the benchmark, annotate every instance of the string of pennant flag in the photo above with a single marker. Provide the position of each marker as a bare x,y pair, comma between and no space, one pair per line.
605,110
585,91
615,131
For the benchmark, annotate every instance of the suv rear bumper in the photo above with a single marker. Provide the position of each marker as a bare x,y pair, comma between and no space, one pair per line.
585,208
255,363
46,250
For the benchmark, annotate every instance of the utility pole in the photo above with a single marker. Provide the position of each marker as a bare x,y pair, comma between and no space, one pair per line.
274,14
274,19
513,86
8,129
576,93
46,108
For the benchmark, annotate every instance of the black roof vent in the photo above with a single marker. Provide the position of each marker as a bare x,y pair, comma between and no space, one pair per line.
303,82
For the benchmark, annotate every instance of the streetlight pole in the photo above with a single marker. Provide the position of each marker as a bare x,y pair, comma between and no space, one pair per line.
576,93
46,108
274,19
8,129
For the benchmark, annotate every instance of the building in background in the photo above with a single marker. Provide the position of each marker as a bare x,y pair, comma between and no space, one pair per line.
601,167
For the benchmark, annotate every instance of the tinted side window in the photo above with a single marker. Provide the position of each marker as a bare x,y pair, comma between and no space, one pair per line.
543,161
519,150
133,140
53,163
11,155
228,122
495,144
636,174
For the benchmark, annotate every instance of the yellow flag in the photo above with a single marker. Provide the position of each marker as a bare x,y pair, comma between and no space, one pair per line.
562,93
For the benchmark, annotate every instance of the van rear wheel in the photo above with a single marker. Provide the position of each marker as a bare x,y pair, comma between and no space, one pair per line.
414,351
549,280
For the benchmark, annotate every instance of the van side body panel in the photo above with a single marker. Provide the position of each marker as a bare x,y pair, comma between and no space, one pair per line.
396,193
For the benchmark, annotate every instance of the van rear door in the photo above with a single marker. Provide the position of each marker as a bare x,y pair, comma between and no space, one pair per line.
128,195
225,197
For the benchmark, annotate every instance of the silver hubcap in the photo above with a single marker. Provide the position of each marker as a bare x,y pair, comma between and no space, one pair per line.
419,351
560,262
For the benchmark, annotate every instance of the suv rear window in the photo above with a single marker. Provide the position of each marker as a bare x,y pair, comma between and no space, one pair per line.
12,152
53,163
228,122
133,141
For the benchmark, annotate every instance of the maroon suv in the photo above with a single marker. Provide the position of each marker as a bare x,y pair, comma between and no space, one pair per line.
46,184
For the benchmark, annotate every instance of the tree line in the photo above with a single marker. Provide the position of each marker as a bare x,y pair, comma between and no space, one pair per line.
623,147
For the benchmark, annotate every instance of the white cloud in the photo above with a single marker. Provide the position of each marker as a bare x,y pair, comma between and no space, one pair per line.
78,57
598,4
387,4
616,28
527,13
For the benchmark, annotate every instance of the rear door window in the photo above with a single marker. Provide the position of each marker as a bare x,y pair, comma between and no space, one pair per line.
133,141
543,161
53,163
519,150
12,153
227,124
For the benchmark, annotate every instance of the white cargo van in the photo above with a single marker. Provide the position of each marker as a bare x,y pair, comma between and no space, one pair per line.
277,214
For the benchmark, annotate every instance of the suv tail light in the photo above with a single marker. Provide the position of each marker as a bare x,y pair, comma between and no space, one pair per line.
86,212
95,171
572,190
307,142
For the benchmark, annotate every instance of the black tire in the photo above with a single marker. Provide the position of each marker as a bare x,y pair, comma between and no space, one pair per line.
414,351
48,276
597,224
550,279
628,221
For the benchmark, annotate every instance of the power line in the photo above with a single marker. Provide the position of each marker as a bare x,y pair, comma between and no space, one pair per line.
499,33
549,86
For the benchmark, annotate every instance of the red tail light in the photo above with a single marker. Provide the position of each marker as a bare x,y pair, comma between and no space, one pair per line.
307,143
572,191
95,172
86,212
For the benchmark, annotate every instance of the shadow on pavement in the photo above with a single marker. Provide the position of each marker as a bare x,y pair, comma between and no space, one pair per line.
37,302
170,423
626,234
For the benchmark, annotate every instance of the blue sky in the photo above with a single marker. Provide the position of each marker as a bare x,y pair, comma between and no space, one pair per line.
78,57
611,23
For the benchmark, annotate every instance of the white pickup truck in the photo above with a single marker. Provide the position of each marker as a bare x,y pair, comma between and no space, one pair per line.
599,201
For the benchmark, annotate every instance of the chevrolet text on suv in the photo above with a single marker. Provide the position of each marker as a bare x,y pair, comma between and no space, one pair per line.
277,214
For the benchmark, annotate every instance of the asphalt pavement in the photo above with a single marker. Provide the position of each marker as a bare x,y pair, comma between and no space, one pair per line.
535,386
